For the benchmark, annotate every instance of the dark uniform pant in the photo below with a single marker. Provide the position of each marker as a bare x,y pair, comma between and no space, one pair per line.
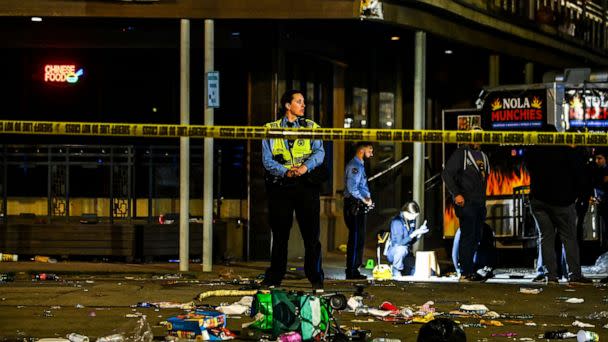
303,198
553,220
355,222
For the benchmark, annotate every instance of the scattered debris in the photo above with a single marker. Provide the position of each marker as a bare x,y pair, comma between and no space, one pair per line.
111,338
574,300
45,276
491,322
580,324
241,307
6,277
74,337
44,258
557,334
476,309
527,290
8,257
507,334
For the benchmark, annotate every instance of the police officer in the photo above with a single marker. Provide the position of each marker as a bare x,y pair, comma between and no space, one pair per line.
403,236
357,200
290,165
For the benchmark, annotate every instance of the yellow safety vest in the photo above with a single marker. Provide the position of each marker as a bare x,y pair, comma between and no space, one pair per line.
300,151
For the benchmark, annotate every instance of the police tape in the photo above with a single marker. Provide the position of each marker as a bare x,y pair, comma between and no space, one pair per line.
339,134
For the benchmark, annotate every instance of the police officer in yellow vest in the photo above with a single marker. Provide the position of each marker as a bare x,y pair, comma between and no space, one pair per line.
290,188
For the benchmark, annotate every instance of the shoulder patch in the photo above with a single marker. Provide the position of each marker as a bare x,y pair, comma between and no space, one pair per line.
355,170
310,123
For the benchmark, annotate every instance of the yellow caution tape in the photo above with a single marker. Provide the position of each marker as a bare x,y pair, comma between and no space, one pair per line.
340,134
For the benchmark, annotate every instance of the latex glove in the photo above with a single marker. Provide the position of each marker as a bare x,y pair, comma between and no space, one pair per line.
423,229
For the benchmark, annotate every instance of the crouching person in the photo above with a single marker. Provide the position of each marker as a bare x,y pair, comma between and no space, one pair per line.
403,236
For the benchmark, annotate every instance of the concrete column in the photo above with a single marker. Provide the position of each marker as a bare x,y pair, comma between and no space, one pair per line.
184,147
340,233
419,111
494,74
529,73
398,124
531,9
339,102
208,158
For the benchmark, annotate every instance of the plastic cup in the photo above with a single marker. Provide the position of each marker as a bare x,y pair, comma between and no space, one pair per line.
587,336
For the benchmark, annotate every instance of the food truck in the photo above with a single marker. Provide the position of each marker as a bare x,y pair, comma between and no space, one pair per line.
574,101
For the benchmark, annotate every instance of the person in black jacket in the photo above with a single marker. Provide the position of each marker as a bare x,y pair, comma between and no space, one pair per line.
600,190
556,180
465,176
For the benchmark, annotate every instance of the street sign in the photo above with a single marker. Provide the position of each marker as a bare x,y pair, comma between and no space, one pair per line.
213,89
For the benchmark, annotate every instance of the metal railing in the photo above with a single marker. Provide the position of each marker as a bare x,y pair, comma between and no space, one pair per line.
61,173
581,22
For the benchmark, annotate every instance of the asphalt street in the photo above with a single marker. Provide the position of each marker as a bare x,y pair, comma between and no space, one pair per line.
94,299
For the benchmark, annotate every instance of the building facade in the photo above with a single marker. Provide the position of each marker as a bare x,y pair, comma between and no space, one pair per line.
355,61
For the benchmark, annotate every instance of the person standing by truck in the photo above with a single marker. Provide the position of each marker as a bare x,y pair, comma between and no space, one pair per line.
465,175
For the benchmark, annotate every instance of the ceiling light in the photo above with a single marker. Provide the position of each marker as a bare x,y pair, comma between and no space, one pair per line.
448,52
395,38
36,19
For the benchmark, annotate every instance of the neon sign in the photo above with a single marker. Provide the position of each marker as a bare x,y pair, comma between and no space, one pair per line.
62,73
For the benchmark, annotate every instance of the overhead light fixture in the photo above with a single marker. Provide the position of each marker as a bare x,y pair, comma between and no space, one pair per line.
448,52
36,19
395,38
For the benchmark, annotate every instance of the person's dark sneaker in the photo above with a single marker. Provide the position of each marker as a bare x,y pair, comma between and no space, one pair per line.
580,280
355,276
543,279
267,284
477,277
474,277
486,272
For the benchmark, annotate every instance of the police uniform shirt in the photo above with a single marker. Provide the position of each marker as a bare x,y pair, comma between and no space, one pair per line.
356,180
277,169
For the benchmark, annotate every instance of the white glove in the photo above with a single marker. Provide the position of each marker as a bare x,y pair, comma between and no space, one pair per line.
423,229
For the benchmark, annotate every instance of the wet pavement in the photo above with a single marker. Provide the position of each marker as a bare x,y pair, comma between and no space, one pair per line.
95,299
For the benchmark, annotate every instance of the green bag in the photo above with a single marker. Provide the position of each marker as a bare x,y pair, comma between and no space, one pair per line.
283,311
278,310
314,316
262,303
